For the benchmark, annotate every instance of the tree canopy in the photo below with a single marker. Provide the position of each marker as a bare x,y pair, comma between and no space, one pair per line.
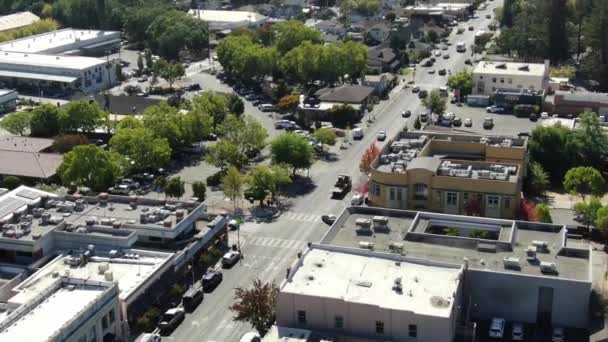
263,181
17,123
81,115
435,102
256,305
44,121
462,81
584,181
91,166
293,150
144,150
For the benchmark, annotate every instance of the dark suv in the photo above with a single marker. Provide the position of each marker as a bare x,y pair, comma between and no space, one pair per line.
211,280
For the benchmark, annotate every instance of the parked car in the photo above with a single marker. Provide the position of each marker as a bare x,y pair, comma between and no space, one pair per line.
329,219
446,55
544,115
533,117
517,334
468,122
193,297
357,133
357,199
471,28
211,280
267,107
148,337
431,71
230,258
497,328
251,336
468,61
415,89
444,47
495,109
488,16
193,87
442,72
457,122
488,123
437,53
142,79
558,335
121,189
406,114
381,136
170,320
280,124
423,93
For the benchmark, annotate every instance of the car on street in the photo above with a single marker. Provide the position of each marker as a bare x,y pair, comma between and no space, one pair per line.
442,72
437,53
471,28
193,297
267,107
488,16
357,133
423,93
329,219
211,280
230,258
142,79
444,47
495,109
406,114
381,136
170,320
544,115
468,61
280,124
558,335
533,117
517,333
446,55
121,189
468,122
431,71
488,123
457,122
497,328
415,89
357,199
251,336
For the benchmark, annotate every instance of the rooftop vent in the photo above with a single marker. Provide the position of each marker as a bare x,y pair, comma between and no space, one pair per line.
319,264
364,283
439,302
501,66
524,68
310,277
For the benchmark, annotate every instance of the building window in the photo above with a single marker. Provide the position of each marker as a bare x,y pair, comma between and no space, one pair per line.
493,201
104,323
399,195
510,80
493,79
507,201
301,316
112,317
413,330
421,191
465,197
451,198
481,77
379,327
392,194
338,322
502,80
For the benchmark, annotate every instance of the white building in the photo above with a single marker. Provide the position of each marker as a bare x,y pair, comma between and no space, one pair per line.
8,100
360,294
229,20
17,20
70,310
66,41
491,76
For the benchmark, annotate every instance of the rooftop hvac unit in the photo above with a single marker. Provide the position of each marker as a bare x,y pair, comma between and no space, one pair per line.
540,245
548,267
511,262
366,245
108,275
365,223
113,254
90,220
55,219
531,253
380,220
103,267
79,205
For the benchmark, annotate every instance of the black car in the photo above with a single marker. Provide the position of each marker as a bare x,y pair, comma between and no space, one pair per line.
406,113
457,122
468,61
193,297
442,72
533,117
211,280
194,87
170,320
423,93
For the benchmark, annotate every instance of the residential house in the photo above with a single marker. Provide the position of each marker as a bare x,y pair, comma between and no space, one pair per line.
382,83
382,59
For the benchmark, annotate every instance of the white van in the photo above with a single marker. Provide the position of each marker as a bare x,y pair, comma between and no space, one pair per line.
460,47
358,133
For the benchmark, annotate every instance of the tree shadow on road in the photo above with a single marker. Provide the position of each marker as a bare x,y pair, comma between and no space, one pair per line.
299,187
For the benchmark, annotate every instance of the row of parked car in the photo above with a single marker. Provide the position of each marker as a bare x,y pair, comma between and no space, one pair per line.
498,326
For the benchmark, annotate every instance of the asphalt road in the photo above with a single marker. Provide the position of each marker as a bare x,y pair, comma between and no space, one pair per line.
269,248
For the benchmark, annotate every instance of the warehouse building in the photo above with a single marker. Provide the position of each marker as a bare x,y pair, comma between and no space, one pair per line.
67,41
17,20
491,76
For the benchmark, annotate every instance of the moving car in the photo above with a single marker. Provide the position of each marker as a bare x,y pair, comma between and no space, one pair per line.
488,123
230,258
357,199
495,109
211,280
329,219
517,333
558,335
193,297
468,122
171,319
342,186
357,133
497,328
406,114
381,136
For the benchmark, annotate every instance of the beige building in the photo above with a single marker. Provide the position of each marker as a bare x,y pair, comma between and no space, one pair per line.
491,76
450,173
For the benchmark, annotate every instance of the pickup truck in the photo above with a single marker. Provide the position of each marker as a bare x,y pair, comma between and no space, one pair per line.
342,186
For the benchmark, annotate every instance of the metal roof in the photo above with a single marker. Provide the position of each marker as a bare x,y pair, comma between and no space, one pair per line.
8,205
35,76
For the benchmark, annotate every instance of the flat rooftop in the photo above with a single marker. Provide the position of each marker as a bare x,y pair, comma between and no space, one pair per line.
127,273
368,279
49,61
510,68
226,16
412,232
17,201
16,20
51,40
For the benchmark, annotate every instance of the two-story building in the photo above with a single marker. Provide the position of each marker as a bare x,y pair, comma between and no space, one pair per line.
491,76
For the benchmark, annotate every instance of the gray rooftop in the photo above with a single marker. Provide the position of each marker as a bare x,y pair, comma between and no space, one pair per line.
585,97
413,232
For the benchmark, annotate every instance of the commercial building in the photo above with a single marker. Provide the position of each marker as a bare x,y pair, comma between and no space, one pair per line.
491,76
67,41
68,309
17,20
460,10
508,99
378,274
575,103
324,99
8,100
450,173
229,20
27,157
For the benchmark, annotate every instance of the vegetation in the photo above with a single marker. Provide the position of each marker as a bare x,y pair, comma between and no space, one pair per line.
289,103
11,182
17,123
175,187
326,136
368,157
263,181
44,121
42,26
90,166
293,150
584,181
461,81
170,71
142,147
435,102
199,190
242,138
479,234
587,211
256,305
543,213
537,180
81,116
233,184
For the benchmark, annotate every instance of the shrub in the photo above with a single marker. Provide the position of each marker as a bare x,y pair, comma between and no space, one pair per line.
215,179
11,182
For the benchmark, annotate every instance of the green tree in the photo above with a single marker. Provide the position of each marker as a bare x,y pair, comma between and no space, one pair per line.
144,150
432,37
326,136
148,59
293,150
537,180
553,148
591,141
558,36
479,234
44,122
263,181
417,123
224,154
594,32
236,105
199,190
584,181
390,16
292,33
130,122
160,182
11,182
91,166
601,219
435,102
587,211
256,305
461,81
543,213
17,123
140,64
170,71
507,13
246,133
289,102
232,185
213,104
166,122
175,187
452,231
81,115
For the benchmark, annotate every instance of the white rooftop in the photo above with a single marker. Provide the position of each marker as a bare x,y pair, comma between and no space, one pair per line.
369,278
18,199
60,307
129,274
509,68
285,334
227,16
50,40
16,20
49,61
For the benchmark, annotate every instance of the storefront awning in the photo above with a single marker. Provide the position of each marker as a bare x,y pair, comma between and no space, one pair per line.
35,76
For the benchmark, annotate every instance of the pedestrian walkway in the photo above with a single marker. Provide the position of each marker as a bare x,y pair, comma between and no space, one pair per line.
301,217
276,243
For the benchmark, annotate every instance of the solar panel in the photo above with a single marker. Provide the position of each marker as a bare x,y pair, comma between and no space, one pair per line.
29,194
9,205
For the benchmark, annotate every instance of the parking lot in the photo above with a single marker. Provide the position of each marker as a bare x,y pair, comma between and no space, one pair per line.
532,333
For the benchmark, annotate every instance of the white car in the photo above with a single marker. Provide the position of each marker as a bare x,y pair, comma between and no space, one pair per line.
381,136
437,53
517,333
497,328
357,199
544,115
558,335
449,115
251,336
357,133
468,122
230,258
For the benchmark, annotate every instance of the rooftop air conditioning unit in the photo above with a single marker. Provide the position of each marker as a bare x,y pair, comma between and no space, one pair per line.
511,263
548,267
366,245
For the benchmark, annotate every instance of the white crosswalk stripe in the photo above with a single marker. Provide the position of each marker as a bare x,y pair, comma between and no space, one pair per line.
301,217
276,243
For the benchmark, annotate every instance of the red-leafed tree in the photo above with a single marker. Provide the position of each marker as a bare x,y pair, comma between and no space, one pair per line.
472,207
256,305
372,152
526,211
362,185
